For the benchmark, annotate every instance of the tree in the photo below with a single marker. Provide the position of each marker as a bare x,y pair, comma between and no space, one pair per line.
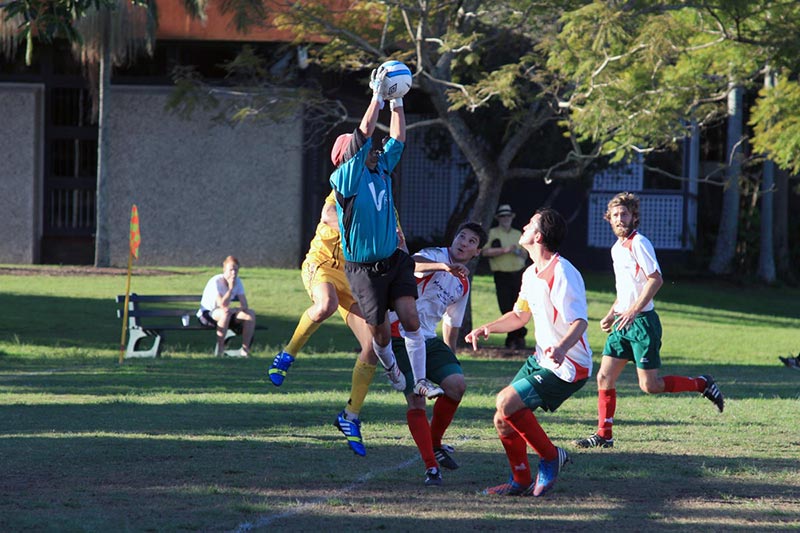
475,60
643,71
619,77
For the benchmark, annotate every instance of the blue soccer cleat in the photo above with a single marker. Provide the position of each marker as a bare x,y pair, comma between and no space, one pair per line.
351,429
548,472
280,365
510,488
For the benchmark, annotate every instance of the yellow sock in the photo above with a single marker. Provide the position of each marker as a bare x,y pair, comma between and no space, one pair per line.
305,328
362,377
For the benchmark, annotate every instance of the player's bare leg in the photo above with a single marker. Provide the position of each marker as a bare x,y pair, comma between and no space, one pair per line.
222,316
248,320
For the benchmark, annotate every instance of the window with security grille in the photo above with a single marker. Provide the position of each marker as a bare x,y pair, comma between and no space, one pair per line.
661,220
433,171
621,177
661,213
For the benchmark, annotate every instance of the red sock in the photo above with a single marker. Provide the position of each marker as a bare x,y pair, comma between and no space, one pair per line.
517,453
443,412
606,407
421,431
526,425
682,384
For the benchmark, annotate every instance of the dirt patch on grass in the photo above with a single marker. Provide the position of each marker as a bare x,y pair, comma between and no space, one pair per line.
81,271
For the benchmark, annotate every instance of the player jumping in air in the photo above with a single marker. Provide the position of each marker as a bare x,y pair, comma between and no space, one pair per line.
381,275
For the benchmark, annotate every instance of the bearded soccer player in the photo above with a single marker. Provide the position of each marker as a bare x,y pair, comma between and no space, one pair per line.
443,285
633,327
553,294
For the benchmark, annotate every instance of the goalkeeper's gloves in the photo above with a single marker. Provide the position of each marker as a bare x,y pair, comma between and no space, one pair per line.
394,104
376,84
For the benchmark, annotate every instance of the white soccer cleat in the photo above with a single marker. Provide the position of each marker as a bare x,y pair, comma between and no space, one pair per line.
396,377
425,388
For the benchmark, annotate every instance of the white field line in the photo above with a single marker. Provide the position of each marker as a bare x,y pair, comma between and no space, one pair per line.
268,519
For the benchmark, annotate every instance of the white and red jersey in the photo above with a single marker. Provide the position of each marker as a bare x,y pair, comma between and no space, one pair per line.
556,296
634,261
441,296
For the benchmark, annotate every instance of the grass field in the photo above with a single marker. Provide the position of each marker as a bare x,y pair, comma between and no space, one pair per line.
189,442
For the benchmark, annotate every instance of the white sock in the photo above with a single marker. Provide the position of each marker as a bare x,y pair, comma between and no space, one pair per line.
415,346
385,354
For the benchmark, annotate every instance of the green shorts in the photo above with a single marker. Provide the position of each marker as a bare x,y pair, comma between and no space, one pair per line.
440,361
640,342
540,387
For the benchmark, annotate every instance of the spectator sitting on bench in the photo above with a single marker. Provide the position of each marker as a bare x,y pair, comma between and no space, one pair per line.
215,307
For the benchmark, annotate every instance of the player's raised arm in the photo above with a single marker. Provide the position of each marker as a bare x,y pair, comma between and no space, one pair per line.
370,118
397,126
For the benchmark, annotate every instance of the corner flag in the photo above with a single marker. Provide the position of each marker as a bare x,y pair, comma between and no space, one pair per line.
136,237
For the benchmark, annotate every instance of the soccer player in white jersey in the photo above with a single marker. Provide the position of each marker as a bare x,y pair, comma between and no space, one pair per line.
553,294
633,327
443,288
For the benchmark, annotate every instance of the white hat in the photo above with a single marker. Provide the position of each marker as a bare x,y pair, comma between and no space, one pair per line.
504,209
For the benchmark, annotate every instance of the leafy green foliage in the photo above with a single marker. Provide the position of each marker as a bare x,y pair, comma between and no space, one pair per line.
776,122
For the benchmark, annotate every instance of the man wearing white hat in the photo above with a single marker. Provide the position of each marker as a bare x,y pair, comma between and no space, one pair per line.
507,262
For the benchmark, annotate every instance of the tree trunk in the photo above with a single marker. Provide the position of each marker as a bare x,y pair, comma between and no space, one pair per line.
781,229
725,247
490,177
102,255
766,255
692,187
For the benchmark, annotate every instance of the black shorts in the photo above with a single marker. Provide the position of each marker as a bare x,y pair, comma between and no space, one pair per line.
377,285
234,325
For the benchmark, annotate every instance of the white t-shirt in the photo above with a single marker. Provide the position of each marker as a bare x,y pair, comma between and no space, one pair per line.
217,286
441,295
556,296
634,260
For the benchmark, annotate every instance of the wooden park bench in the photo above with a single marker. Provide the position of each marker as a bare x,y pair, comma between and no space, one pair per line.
150,316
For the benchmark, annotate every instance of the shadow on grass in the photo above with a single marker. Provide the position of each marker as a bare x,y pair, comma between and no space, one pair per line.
298,486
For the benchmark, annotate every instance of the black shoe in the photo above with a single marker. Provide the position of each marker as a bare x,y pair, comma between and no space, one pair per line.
594,441
791,362
433,477
443,457
713,393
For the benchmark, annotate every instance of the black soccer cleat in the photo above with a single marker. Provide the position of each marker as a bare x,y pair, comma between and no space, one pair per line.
713,393
443,457
594,441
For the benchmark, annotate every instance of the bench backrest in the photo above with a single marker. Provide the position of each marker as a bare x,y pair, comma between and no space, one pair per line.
150,310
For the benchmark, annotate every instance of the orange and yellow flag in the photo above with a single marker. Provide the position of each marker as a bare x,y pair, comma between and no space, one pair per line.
136,237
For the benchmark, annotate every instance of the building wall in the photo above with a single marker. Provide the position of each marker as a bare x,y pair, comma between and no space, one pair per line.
21,134
203,191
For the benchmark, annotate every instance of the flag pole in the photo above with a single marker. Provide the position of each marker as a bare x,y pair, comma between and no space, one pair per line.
133,251
125,310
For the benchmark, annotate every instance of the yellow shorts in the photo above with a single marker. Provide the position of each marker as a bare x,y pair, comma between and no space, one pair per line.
314,273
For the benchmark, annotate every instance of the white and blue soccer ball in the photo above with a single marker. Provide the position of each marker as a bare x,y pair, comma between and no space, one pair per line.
397,81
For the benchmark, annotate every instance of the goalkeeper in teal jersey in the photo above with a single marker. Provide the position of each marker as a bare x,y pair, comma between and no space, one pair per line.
381,275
